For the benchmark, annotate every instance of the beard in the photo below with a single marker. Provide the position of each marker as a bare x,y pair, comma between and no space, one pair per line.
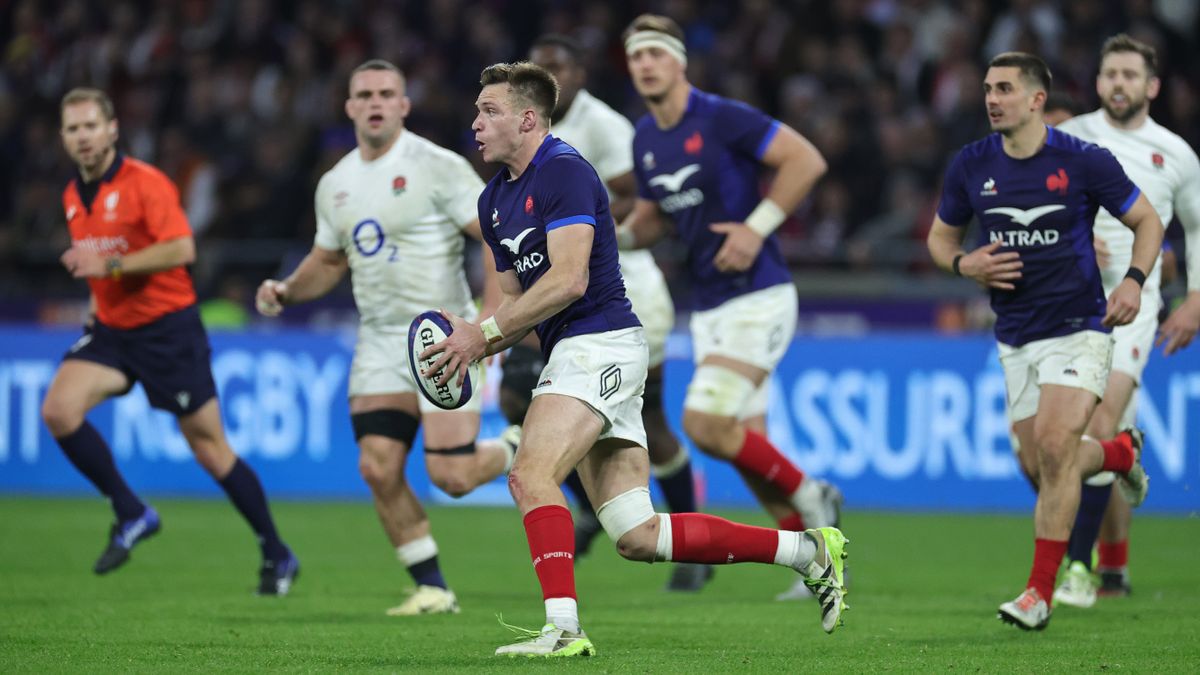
1134,108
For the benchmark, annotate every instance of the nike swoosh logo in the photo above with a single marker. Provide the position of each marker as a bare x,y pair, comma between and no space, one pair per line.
673,182
1026,218
514,245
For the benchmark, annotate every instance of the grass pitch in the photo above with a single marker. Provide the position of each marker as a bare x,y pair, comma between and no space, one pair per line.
924,592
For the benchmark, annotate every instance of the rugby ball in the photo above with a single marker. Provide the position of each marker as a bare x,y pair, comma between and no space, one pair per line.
426,330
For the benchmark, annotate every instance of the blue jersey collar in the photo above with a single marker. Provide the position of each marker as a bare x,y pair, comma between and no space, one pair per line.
538,156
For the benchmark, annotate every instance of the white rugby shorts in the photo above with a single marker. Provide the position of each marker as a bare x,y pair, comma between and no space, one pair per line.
755,328
1081,360
1133,342
607,371
380,366
651,300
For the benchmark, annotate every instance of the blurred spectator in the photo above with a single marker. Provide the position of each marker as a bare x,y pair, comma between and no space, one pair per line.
241,101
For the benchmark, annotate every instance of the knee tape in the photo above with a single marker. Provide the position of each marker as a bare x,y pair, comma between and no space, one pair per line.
717,390
468,449
395,424
624,512
757,405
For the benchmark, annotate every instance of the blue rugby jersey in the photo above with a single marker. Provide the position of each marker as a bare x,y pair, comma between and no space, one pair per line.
557,189
1042,207
705,170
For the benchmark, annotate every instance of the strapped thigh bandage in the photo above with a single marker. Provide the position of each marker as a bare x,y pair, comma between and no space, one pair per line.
717,390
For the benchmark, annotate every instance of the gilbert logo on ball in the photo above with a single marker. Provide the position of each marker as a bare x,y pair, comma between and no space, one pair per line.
426,330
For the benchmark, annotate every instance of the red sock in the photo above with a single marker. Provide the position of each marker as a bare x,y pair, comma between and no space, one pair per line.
551,534
1118,453
701,538
1047,557
764,460
792,523
1115,555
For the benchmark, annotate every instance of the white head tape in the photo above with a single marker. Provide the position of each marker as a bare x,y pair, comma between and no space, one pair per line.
652,38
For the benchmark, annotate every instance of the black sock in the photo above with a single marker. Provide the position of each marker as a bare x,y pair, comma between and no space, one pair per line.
679,489
246,493
575,485
86,449
428,573
1093,500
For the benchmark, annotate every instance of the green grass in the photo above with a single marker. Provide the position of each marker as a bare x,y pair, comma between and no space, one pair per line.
924,595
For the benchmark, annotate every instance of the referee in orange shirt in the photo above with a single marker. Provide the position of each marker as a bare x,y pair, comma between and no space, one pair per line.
131,241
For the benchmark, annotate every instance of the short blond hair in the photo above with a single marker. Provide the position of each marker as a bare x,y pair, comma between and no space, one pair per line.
85,94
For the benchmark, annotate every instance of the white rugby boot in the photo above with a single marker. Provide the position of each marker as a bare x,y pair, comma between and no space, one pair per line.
1078,588
427,600
1028,611
823,575
551,641
1134,484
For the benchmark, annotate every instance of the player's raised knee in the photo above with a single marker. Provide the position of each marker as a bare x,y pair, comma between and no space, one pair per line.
630,521
60,419
454,485
1055,441
640,543
452,468
710,433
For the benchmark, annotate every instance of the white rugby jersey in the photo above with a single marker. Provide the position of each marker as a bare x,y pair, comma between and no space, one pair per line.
605,139
1166,170
399,220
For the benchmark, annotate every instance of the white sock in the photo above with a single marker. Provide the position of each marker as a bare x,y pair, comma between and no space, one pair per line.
796,549
417,551
563,613
807,500
664,548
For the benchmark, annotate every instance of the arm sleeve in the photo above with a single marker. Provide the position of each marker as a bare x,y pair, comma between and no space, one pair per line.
567,193
499,253
616,138
1108,183
955,207
162,211
1187,210
327,237
457,192
745,129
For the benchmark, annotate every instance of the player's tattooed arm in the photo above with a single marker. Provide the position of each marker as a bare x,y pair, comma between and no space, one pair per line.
986,265
316,275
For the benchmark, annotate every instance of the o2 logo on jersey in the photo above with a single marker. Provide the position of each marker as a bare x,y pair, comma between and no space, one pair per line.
369,239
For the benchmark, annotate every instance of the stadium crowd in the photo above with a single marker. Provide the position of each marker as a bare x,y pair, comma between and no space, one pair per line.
241,102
